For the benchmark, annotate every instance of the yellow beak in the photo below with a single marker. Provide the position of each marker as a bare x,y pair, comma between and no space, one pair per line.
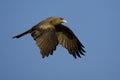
64,21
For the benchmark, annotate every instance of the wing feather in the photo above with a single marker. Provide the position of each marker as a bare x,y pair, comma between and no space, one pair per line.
46,40
68,40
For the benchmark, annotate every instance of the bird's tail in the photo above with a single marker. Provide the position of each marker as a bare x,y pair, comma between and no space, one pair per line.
24,33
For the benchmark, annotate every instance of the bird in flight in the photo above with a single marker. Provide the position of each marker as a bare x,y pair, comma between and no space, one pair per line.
51,32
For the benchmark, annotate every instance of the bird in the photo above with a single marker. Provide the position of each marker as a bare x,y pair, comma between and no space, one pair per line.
51,32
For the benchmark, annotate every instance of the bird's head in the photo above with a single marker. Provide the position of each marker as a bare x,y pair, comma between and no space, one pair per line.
56,20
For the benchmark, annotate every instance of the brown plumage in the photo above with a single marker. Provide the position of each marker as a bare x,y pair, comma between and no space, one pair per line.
51,32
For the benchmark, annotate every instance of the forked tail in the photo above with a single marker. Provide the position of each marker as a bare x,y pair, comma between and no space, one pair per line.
22,34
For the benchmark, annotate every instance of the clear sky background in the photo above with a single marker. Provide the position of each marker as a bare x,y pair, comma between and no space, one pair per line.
95,22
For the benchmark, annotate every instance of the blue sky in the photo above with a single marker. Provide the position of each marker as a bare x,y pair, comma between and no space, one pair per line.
95,22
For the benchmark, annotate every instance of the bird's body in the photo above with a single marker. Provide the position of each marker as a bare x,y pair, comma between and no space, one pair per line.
51,32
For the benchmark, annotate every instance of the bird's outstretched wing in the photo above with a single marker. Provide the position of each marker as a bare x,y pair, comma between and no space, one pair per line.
46,40
68,40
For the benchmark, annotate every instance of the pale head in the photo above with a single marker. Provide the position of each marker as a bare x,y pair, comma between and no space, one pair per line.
56,20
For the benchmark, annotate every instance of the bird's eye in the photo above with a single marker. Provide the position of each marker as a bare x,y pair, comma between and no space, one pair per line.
61,18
